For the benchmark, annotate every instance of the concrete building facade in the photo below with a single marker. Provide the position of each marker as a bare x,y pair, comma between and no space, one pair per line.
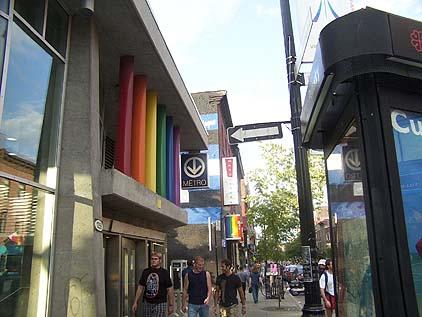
93,116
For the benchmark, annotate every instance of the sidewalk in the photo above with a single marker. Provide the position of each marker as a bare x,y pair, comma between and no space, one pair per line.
290,306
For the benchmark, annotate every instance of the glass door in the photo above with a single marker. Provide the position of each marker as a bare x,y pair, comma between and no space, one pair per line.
128,276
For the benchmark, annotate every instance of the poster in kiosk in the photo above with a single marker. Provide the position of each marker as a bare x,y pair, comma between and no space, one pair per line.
363,109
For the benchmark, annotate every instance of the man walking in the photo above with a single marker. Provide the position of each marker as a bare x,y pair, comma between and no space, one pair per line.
244,276
326,285
156,288
226,287
197,290
187,269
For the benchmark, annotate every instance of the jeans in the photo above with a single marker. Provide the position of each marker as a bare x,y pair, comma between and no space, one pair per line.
255,289
195,310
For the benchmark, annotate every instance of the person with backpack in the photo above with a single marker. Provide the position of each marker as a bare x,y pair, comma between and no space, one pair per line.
326,285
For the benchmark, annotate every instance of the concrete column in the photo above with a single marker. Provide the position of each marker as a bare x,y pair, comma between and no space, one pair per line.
78,274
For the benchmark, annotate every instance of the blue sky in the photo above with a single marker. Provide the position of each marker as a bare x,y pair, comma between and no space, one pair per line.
236,45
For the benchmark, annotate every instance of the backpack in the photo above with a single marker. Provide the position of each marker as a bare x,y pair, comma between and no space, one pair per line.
326,281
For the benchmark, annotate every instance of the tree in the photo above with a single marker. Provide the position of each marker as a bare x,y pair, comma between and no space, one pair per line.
273,203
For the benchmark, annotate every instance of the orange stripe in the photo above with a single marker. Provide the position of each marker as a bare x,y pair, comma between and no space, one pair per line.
138,128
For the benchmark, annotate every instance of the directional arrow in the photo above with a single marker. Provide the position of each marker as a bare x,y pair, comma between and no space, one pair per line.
241,134
194,169
255,132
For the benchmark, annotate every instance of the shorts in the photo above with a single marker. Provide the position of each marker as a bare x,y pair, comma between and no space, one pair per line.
332,300
231,311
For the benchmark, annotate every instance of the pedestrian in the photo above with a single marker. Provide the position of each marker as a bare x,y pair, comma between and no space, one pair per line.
254,281
197,290
244,277
326,285
156,289
228,285
187,269
321,267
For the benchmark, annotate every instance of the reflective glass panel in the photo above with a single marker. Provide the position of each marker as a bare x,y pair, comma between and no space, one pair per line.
57,22
32,11
4,6
3,33
407,131
348,214
25,222
31,112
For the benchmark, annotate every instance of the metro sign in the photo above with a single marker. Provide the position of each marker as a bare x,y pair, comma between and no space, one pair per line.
194,171
254,132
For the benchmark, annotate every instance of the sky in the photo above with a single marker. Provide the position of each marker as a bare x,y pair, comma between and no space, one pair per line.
237,46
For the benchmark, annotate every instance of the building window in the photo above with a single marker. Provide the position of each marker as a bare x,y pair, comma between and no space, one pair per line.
24,249
33,12
57,25
31,111
4,6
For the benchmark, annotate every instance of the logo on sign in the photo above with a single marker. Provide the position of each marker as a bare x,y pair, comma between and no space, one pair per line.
352,160
416,40
194,167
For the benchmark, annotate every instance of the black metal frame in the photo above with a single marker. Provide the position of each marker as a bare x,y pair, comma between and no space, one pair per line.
370,107
391,97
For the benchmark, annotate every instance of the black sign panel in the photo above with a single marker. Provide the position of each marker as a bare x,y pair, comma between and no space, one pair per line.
407,37
254,132
194,171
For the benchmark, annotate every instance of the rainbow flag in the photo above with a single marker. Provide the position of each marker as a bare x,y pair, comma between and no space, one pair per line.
232,225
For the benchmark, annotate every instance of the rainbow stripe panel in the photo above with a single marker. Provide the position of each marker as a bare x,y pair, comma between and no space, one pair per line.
147,142
232,225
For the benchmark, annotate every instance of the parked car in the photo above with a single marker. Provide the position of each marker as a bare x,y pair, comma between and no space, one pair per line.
292,272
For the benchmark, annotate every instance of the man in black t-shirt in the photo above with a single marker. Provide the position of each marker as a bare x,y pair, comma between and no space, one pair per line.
228,285
156,288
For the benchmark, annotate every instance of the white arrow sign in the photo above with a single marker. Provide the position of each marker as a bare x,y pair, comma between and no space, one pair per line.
255,132
241,134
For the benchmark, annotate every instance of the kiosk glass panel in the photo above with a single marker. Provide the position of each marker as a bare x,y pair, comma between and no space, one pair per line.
407,131
348,218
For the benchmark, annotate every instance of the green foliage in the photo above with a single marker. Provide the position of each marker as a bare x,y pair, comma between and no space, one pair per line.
273,204
293,250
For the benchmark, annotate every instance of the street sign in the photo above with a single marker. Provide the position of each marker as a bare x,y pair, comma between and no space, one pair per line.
194,170
254,132
307,264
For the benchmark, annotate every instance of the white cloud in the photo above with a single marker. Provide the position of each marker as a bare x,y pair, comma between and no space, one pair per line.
25,127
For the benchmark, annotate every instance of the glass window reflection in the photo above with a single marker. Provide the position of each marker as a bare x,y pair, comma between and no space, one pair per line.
57,23
347,208
25,220
29,123
4,6
32,11
3,33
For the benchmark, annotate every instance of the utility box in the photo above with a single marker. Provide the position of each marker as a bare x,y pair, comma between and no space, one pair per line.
363,107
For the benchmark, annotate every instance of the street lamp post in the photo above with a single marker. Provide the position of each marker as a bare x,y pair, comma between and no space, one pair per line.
312,306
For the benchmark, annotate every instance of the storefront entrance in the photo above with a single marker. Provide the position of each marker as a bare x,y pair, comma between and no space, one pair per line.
124,260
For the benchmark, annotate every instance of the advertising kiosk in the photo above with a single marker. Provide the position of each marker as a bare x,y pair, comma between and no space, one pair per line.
363,108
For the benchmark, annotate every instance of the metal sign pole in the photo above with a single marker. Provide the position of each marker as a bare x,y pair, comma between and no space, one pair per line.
312,306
